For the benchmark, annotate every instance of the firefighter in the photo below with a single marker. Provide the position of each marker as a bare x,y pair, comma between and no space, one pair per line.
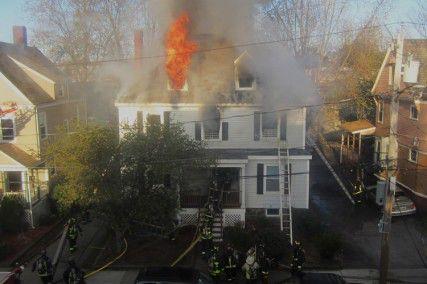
263,263
208,216
230,264
73,274
44,267
250,268
215,269
72,234
298,259
206,240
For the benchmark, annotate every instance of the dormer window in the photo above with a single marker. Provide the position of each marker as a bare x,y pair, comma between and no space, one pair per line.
183,89
244,78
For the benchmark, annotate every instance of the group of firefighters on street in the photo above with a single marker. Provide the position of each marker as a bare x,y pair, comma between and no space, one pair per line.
72,274
225,265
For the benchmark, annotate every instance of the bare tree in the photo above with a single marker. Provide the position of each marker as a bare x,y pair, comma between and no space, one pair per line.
80,31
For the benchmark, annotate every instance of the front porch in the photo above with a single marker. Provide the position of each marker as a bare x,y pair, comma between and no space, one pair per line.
229,183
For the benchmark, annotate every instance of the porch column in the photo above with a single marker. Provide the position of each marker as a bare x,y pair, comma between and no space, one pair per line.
342,144
242,187
360,143
27,193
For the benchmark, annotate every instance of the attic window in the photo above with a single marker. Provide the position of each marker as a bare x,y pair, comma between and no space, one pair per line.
244,78
183,89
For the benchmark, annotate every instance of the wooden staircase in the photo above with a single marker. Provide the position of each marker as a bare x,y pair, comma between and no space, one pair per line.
217,227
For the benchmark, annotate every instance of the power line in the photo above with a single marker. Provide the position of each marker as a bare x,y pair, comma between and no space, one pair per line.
257,43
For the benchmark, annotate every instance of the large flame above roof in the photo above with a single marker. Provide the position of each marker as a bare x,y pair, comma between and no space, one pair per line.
179,50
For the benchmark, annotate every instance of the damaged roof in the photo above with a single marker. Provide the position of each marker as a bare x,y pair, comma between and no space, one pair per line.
210,78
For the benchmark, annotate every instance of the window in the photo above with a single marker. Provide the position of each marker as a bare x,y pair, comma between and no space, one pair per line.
272,179
378,151
42,125
272,212
380,112
7,129
211,122
244,79
140,121
413,155
269,125
13,182
413,112
153,119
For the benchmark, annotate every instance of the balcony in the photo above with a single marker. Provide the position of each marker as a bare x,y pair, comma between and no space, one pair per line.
229,199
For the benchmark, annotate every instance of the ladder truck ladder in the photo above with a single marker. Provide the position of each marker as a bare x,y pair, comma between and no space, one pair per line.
285,191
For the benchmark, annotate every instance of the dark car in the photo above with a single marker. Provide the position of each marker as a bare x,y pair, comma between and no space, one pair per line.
154,275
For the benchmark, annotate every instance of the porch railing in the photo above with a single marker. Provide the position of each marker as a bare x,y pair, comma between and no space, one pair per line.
230,199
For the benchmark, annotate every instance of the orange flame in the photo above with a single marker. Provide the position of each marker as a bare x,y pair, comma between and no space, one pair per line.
179,50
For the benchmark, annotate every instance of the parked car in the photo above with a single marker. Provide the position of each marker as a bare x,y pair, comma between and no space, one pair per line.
402,205
154,275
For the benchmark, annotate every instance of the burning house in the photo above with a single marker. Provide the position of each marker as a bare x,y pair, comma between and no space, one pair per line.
219,95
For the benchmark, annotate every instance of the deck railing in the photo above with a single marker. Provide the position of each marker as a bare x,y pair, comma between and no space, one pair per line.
230,199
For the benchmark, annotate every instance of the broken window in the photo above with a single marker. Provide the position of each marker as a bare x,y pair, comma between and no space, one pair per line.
245,79
211,122
269,125
7,129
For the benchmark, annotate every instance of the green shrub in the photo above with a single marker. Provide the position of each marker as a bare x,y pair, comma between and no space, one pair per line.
276,242
12,214
329,244
4,250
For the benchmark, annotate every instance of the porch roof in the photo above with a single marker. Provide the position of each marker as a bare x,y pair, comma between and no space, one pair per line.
18,155
362,127
245,153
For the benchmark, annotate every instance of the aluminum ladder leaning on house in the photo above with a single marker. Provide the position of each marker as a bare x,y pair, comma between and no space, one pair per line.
285,191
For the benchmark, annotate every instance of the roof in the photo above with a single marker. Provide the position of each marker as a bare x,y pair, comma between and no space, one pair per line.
18,155
22,81
34,59
363,127
245,153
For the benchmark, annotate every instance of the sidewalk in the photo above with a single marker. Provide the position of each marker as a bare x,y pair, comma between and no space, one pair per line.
91,233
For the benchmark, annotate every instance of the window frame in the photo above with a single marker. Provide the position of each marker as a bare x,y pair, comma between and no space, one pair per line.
262,126
410,155
237,80
8,117
44,135
272,215
411,108
266,177
380,110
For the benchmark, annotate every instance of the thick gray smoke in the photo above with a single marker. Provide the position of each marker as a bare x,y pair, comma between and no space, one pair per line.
236,22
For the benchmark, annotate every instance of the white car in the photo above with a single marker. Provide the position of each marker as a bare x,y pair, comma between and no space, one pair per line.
402,205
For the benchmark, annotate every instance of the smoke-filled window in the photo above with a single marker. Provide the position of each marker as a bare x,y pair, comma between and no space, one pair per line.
269,125
211,122
245,79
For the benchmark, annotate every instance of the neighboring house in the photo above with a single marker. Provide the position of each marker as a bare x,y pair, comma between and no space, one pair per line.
34,101
404,70
262,157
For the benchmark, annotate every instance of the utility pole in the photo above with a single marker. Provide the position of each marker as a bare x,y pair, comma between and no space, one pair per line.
391,161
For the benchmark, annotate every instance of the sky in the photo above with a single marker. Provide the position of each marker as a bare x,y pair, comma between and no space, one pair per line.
12,13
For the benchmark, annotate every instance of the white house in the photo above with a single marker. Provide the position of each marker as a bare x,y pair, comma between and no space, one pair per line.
262,153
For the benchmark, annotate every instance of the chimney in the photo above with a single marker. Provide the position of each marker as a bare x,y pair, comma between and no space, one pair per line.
20,35
138,41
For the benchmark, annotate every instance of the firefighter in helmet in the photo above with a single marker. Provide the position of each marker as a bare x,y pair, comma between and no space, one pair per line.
43,266
206,240
251,267
298,259
229,262
73,232
215,269
263,262
73,274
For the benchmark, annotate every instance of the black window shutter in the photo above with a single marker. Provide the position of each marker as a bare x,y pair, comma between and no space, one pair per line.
260,179
167,118
139,120
283,126
257,122
225,131
198,131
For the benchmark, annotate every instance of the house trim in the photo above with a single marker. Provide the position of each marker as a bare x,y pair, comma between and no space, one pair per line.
381,69
302,157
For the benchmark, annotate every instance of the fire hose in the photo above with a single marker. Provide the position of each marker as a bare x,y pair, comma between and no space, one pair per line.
108,263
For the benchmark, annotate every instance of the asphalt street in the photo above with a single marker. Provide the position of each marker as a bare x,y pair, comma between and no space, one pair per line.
359,225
